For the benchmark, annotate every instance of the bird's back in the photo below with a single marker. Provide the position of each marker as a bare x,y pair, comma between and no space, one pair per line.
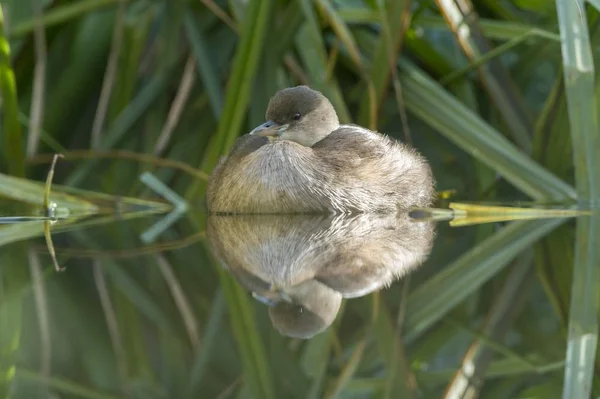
378,173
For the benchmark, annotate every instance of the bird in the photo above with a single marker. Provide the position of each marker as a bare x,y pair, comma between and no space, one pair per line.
302,160
302,266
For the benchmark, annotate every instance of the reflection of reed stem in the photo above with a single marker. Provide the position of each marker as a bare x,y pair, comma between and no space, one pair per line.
461,214
111,320
181,300
131,253
40,297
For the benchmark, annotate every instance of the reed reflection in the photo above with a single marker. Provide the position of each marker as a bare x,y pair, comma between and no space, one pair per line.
301,266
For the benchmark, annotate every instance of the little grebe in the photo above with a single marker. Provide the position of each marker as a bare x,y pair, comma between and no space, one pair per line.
303,161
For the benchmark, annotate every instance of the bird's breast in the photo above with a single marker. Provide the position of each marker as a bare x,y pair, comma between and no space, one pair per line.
276,178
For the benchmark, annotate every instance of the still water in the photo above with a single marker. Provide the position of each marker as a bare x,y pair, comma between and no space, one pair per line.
153,300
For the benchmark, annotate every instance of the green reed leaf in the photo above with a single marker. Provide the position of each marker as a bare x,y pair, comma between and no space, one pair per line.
206,68
436,297
427,100
13,145
62,14
582,104
257,373
238,94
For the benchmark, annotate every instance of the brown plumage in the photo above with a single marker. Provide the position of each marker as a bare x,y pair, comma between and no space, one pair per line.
303,161
303,265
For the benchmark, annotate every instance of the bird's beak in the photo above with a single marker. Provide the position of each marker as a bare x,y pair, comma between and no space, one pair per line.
269,300
272,297
268,129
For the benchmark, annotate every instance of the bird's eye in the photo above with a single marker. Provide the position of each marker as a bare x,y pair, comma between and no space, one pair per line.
296,117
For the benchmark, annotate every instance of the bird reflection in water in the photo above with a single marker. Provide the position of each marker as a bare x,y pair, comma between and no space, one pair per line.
301,266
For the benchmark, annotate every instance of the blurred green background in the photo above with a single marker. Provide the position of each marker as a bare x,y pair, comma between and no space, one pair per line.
499,95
